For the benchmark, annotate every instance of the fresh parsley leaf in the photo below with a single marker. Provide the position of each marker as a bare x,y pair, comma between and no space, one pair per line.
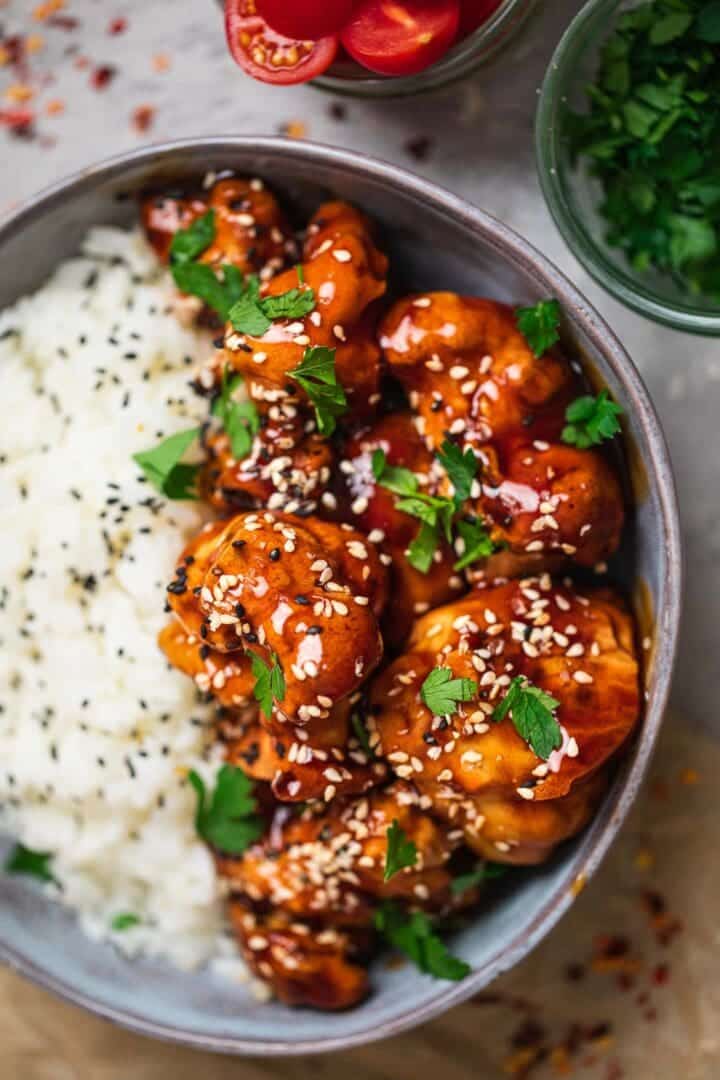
228,819
477,541
539,325
269,683
201,280
670,27
707,24
590,420
219,292
442,693
413,935
163,469
254,315
435,513
124,921
361,733
400,851
246,314
484,872
461,468
189,244
240,419
318,378
422,549
533,715
293,304
23,860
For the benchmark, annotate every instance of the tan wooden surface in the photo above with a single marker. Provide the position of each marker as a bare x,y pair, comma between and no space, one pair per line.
663,1025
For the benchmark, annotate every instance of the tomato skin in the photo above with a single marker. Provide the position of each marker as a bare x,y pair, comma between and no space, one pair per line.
303,19
473,13
248,35
401,37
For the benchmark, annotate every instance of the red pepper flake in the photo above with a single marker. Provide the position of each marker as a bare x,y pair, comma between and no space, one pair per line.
143,117
64,22
17,119
117,26
661,975
81,63
44,11
102,76
161,62
55,107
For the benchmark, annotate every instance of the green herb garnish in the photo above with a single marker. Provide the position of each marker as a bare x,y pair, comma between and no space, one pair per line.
591,420
539,325
484,872
318,378
413,935
461,468
227,820
254,315
442,692
435,513
400,852
240,419
124,921
533,715
23,860
269,683
162,466
651,137
477,541
218,291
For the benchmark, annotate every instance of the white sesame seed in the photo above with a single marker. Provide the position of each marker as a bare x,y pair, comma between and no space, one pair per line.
582,677
341,255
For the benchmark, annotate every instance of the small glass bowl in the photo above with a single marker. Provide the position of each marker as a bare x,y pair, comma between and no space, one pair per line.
347,77
573,196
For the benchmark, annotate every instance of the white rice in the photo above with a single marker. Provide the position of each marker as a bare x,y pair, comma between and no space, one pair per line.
96,733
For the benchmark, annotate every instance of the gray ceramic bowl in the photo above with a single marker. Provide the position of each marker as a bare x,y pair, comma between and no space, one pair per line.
435,240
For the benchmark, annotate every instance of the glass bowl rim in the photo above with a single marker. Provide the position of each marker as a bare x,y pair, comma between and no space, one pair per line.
623,286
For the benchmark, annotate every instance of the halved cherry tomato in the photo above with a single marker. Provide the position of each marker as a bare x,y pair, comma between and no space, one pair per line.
474,13
401,37
269,56
306,18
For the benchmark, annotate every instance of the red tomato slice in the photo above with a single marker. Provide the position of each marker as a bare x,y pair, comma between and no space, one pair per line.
306,18
401,37
474,13
269,56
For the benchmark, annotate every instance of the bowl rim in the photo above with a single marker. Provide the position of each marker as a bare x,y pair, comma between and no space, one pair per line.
619,283
597,838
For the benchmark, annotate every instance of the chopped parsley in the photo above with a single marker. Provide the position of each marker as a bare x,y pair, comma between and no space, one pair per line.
650,139
189,244
400,852
533,714
239,418
461,468
442,693
23,860
435,513
163,468
269,683
476,540
228,819
484,872
253,315
318,378
124,921
218,291
590,420
413,935
539,325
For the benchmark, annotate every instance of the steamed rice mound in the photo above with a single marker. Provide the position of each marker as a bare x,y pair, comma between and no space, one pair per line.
96,733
